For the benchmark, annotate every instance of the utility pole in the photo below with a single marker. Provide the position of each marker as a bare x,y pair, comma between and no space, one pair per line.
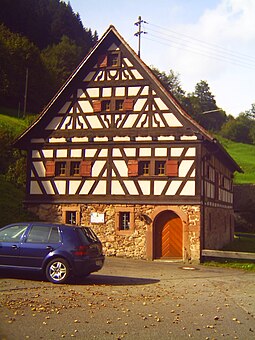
25,95
138,34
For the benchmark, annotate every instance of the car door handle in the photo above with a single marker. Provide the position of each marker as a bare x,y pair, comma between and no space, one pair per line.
14,246
49,248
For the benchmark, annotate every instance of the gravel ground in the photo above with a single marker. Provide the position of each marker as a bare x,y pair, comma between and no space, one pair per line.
131,299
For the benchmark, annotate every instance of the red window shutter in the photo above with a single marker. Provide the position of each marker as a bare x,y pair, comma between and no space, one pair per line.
128,104
172,168
133,168
97,105
85,169
102,61
50,168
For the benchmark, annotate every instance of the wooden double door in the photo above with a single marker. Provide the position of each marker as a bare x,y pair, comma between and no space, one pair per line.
168,236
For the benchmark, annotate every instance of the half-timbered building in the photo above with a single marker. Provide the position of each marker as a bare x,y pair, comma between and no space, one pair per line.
115,150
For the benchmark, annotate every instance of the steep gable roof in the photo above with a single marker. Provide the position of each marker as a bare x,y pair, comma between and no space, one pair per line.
110,37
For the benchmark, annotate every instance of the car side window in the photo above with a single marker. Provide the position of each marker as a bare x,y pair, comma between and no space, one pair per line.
43,234
12,233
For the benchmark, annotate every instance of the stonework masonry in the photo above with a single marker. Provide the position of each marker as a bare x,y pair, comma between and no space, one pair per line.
136,243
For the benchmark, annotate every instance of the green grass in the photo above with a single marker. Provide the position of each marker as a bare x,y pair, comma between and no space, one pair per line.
14,125
231,264
244,155
242,243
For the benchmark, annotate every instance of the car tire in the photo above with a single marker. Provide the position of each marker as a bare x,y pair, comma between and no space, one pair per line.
57,270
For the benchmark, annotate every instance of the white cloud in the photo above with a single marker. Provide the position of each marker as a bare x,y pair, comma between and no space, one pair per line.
221,52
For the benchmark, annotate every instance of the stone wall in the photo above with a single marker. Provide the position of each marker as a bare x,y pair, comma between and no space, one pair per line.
139,242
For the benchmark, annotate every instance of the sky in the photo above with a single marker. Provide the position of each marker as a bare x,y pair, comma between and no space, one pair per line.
210,40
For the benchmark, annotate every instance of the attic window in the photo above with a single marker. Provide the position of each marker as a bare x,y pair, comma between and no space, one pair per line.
75,168
119,105
106,105
144,168
60,168
160,168
113,59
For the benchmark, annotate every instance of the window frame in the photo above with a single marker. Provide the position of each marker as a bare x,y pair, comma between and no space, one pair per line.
60,170
111,57
160,168
144,168
121,210
75,167
71,209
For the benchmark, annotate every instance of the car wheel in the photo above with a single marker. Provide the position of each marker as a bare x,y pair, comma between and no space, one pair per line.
57,270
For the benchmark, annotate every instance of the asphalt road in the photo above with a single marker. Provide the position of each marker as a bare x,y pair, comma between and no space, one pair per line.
131,299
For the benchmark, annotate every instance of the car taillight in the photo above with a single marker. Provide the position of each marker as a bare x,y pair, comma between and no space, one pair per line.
81,251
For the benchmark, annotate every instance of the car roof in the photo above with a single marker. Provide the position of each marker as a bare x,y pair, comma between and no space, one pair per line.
44,223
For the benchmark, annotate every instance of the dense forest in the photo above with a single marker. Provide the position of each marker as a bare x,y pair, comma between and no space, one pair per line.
41,42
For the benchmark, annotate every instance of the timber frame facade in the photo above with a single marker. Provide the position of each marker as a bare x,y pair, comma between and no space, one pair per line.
114,150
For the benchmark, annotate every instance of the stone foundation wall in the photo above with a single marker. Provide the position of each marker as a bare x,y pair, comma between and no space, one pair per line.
139,242
193,233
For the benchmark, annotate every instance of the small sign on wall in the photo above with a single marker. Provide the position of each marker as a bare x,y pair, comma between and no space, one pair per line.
97,217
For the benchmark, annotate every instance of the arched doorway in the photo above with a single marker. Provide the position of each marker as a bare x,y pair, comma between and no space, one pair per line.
168,236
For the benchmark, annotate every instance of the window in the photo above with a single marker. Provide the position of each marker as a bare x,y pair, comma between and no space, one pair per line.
160,168
60,168
144,168
13,233
43,234
113,59
75,169
124,220
119,105
124,223
106,105
71,214
71,217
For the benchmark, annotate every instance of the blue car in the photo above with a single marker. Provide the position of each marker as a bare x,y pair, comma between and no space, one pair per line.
58,250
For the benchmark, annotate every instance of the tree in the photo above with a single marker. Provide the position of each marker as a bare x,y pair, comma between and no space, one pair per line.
237,129
171,82
202,107
61,59
44,22
19,54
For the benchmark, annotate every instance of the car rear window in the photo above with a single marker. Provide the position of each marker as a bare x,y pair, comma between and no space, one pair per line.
89,233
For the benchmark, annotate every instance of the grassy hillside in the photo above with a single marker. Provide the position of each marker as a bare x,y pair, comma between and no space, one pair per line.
15,125
244,155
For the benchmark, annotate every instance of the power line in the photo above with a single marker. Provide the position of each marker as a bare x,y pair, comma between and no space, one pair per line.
207,54
197,46
211,45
